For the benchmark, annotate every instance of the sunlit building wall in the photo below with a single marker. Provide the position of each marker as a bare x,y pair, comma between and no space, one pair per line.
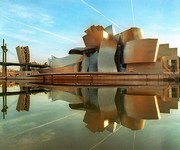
146,56
169,59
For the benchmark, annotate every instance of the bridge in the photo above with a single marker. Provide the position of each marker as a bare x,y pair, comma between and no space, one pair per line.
4,62
27,66
19,64
24,90
29,91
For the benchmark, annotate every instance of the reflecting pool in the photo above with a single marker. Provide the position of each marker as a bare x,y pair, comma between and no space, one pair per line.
35,117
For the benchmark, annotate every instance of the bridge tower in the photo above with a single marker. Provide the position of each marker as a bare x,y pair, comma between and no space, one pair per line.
4,67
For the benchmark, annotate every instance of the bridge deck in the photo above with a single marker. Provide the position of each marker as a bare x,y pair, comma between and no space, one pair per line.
19,64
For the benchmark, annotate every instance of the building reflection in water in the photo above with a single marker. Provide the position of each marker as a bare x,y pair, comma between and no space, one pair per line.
24,93
105,107
23,100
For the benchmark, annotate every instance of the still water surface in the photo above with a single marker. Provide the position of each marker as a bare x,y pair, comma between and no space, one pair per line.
94,117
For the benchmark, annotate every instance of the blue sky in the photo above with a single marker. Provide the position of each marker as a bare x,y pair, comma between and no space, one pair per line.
52,27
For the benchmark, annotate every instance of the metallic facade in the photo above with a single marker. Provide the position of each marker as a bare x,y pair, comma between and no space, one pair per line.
94,36
130,34
66,64
141,51
65,61
108,51
106,62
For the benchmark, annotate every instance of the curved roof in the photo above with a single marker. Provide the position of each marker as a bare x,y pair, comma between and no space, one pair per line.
79,50
65,61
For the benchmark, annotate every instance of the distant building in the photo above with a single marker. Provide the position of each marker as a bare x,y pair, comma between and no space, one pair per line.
23,55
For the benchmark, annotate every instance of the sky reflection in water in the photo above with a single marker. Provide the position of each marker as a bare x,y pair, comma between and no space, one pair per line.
66,117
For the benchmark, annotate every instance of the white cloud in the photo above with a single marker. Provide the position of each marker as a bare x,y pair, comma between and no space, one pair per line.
20,11
27,13
20,37
46,19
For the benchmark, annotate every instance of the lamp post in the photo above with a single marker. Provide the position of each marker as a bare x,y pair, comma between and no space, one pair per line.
4,67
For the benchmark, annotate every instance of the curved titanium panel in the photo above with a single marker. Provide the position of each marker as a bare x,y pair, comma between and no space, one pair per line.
141,51
131,34
65,61
106,61
110,29
94,36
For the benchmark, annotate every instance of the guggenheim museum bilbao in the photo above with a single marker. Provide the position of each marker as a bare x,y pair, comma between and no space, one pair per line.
105,52
128,51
